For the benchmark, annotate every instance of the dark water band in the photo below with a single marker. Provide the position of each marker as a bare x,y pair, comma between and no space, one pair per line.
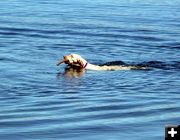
151,64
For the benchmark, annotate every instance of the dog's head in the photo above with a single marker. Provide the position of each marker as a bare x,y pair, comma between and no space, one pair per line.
68,59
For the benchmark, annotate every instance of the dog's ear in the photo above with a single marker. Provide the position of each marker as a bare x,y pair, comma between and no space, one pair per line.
65,58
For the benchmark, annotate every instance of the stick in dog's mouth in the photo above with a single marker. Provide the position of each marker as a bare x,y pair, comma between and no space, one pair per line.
60,62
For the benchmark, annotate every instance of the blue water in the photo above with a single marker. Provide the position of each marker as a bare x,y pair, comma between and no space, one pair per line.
41,101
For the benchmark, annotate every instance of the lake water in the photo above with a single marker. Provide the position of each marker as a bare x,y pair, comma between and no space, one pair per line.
41,101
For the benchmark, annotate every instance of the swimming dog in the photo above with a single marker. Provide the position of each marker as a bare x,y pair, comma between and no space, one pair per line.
77,60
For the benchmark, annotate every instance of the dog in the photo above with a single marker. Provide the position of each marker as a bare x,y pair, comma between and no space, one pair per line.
77,60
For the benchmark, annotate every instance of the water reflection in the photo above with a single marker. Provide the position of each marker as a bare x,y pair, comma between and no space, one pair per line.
71,72
70,80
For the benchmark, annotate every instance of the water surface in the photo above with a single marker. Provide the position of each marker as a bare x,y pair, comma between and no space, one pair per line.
41,101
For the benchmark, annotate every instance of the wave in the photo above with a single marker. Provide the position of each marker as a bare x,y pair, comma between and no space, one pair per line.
54,33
